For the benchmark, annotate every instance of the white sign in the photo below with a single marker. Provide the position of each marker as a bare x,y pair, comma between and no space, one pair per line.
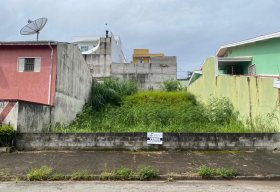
276,83
154,138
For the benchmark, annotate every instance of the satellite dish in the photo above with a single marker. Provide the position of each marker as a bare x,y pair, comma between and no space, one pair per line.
34,27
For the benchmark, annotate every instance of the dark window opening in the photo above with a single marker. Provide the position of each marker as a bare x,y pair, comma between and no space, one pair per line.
234,68
29,64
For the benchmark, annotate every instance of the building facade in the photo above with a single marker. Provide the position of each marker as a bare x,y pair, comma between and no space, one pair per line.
256,56
100,52
246,72
105,58
144,56
41,83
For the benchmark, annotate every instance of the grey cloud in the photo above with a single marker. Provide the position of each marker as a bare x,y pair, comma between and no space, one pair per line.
190,29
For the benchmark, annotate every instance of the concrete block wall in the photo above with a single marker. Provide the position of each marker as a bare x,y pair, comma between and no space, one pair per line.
33,117
100,62
138,141
148,76
73,84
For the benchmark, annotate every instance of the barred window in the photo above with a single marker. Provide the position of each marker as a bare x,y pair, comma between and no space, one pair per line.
29,64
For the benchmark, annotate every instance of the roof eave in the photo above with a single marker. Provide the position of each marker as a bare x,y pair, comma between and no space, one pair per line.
222,50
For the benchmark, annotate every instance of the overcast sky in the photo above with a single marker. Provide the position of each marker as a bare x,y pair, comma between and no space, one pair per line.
192,30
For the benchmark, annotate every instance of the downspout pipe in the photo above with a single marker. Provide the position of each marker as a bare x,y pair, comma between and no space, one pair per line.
50,79
50,88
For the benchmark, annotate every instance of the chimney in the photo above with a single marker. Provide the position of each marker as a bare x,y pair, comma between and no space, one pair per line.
107,33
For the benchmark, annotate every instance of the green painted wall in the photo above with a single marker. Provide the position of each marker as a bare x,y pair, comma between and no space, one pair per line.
251,96
266,55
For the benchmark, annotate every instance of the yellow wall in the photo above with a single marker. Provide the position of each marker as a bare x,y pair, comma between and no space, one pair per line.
251,96
144,53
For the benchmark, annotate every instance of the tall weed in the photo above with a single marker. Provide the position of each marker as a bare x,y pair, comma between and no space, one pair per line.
110,92
157,111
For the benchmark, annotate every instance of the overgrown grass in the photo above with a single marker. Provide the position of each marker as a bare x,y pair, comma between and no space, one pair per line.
81,175
110,92
123,173
143,173
115,106
206,171
39,174
117,174
172,85
147,173
158,111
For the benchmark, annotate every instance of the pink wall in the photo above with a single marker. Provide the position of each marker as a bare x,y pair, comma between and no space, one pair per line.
26,86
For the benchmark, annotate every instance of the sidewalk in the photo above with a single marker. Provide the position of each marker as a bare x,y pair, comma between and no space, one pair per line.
259,163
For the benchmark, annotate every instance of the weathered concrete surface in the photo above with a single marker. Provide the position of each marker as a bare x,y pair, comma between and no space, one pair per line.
260,163
148,76
100,62
129,186
73,84
72,91
138,141
33,117
253,97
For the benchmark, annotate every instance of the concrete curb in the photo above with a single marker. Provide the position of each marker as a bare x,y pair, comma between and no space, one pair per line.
160,178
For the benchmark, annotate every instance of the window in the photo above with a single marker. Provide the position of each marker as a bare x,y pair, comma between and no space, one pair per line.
29,64
141,60
83,48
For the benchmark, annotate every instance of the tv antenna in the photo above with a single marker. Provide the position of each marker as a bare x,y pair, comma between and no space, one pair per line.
34,27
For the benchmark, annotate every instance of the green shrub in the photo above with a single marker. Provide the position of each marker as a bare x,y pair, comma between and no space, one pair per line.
123,173
7,135
81,175
39,174
172,85
122,87
205,171
147,173
102,95
110,92
220,110
226,172
6,129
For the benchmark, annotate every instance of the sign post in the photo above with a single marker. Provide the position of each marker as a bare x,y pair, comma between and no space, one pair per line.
154,138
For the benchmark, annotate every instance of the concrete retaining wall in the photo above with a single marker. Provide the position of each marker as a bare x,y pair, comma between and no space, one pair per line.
33,117
138,141
73,84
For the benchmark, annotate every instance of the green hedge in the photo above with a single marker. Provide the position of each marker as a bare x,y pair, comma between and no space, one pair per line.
7,135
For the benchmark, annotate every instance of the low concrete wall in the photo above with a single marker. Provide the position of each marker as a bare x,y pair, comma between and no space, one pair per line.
138,141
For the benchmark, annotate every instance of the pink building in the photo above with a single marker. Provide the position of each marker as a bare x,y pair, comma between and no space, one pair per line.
41,83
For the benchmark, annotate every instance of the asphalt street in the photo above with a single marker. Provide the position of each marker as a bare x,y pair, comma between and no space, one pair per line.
135,186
